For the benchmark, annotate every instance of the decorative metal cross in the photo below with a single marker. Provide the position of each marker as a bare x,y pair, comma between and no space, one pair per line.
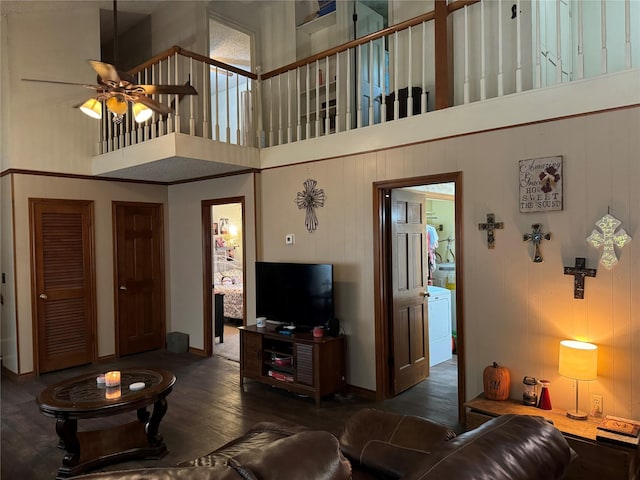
608,224
579,272
310,199
489,227
536,237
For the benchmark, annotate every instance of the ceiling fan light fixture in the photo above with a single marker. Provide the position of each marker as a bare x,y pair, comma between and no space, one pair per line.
92,108
117,105
141,113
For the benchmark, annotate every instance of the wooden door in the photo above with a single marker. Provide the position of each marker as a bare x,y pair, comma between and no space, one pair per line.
139,261
63,282
410,327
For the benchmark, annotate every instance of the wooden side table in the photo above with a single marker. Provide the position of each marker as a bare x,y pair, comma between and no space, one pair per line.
596,460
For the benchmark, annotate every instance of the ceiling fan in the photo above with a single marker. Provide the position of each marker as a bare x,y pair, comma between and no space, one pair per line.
119,89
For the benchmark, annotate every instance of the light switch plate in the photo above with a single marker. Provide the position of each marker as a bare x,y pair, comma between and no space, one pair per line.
289,239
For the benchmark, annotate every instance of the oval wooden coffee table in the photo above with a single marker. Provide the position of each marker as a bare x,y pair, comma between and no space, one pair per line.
82,397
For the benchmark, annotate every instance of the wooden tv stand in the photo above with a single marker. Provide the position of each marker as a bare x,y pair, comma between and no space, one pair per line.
299,363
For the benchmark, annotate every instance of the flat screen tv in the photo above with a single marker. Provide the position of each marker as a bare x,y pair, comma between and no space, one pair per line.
299,294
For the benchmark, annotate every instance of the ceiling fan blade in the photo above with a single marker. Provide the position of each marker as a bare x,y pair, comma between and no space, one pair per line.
106,71
95,87
167,89
153,105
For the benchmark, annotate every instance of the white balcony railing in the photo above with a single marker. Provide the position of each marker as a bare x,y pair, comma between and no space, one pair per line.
498,48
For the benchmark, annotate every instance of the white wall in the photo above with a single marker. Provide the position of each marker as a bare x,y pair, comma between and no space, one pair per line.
516,311
186,264
8,324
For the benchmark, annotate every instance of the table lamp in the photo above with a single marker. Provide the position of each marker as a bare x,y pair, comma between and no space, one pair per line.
579,361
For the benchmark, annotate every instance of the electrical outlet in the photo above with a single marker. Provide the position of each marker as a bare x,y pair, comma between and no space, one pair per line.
289,239
596,405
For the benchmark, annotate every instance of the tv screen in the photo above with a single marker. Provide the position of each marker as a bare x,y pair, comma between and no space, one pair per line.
299,294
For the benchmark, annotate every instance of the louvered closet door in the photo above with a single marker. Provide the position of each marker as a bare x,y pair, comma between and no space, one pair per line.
63,282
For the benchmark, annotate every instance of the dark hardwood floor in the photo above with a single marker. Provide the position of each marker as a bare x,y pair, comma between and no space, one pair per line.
207,408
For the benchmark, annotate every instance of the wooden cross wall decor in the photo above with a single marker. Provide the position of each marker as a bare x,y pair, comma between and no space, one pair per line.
536,237
490,226
579,271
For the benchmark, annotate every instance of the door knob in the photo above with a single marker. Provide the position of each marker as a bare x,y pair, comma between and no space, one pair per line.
43,296
426,294
123,287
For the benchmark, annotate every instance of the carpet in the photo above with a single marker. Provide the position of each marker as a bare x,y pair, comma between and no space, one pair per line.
230,348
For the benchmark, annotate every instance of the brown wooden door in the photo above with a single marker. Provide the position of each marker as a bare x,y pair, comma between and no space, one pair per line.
63,282
410,326
139,260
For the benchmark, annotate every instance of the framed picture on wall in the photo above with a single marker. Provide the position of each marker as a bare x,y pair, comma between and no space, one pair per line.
224,226
541,184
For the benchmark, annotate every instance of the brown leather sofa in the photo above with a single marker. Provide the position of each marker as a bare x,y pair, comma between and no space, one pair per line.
379,445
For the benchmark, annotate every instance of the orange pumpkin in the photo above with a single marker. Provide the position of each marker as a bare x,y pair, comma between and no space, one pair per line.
496,380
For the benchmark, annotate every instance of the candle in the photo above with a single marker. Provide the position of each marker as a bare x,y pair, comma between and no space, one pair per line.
112,392
112,379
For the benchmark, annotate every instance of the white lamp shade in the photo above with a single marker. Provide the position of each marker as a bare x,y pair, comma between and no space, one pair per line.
578,360
141,113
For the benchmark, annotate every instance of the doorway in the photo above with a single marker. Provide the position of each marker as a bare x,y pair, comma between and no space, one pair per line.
231,102
391,350
224,273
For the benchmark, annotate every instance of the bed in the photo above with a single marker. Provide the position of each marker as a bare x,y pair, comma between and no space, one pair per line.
228,282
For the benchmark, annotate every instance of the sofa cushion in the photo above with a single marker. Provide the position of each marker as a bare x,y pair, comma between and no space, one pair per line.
305,455
411,432
259,436
168,473
510,447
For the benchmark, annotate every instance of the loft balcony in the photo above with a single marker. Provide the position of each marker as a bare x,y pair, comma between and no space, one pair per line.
466,66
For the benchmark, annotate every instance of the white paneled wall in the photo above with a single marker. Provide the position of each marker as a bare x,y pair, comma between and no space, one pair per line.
516,311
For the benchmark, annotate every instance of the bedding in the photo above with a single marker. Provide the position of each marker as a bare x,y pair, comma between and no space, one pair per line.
230,284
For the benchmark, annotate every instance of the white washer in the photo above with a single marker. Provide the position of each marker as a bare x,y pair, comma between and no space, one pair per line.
439,304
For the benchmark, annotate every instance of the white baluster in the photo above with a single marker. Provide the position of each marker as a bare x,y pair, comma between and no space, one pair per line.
603,34
580,42
192,119
466,56
237,109
258,103
170,119
317,82
409,74
537,78
347,125
289,114
271,95
327,100
160,121
371,80
280,109
396,54
228,108
424,69
308,102
217,94
178,126
627,33
148,127
206,100
483,88
558,45
338,100
518,48
298,93
500,52
359,87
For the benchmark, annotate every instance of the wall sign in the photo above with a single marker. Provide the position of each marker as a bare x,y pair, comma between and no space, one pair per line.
541,184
